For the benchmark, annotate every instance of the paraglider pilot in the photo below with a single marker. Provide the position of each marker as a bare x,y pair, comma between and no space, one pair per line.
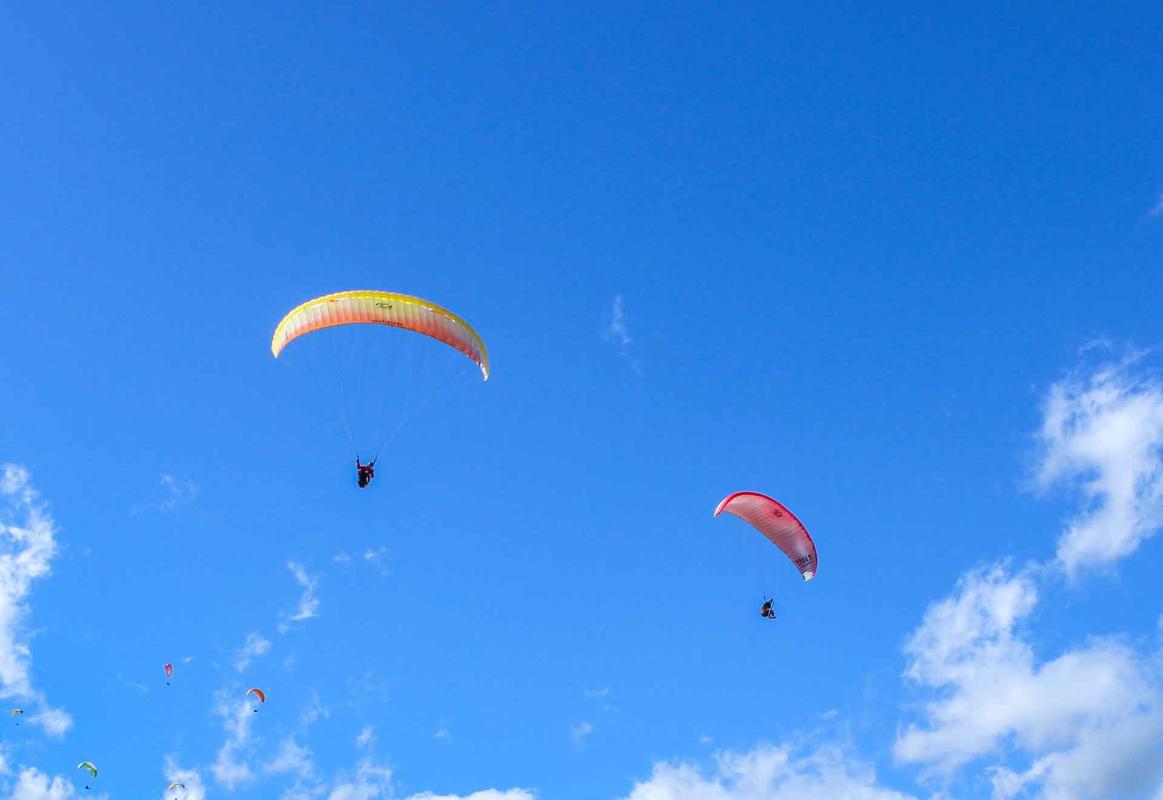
365,472
767,612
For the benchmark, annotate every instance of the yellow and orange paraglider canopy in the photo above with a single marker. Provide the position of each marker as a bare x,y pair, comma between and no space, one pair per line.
366,306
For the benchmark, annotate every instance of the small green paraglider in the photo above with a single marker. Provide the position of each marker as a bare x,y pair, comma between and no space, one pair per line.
88,767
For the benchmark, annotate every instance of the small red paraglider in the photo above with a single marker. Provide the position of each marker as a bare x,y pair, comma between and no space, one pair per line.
169,673
781,527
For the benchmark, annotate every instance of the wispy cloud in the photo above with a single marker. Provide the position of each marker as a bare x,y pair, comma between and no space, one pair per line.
190,778
486,794
771,772
292,757
176,492
27,548
255,645
377,558
366,687
601,696
1104,431
229,769
308,607
314,711
371,780
1157,210
54,721
580,731
618,331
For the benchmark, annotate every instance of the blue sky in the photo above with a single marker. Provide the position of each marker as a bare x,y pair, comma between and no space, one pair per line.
897,267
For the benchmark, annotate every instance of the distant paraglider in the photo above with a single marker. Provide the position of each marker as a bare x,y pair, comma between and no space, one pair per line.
169,673
88,767
175,787
780,526
17,713
259,695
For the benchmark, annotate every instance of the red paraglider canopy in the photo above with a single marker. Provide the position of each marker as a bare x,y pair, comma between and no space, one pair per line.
778,524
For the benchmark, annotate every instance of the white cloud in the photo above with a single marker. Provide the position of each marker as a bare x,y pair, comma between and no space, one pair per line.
229,769
176,491
1088,722
373,781
35,785
255,645
580,731
981,616
190,778
990,692
598,694
1118,760
768,772
487,794
370,781
308,602
1105,431
54,721
292,757
27,548
1157,211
